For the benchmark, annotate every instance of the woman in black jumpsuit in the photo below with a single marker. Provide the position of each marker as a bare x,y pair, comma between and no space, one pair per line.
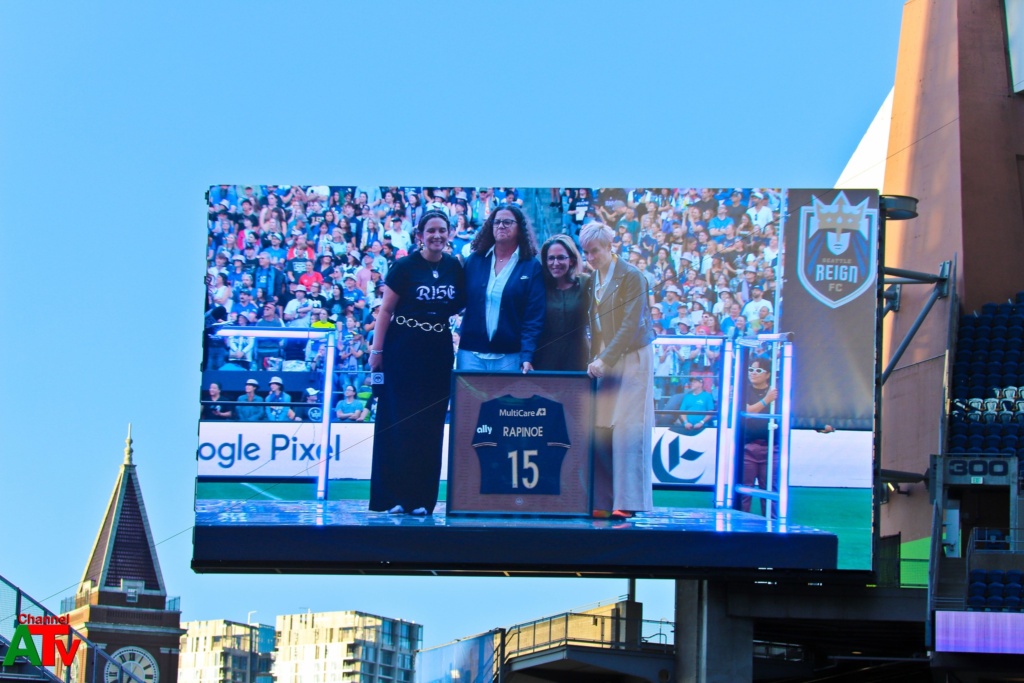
412,346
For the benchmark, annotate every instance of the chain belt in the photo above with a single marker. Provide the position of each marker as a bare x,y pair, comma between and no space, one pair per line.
416,324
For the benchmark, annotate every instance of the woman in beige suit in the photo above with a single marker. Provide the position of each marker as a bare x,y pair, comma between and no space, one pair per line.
621,334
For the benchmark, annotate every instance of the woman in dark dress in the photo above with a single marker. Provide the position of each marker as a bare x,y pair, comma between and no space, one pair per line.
412,346
563,343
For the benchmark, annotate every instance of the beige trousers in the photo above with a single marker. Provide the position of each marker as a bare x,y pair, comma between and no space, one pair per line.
622,458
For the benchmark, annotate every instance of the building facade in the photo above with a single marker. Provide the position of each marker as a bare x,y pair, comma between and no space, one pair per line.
223,651
345,647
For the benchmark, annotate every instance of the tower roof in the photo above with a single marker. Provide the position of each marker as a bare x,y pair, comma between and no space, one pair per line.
124,548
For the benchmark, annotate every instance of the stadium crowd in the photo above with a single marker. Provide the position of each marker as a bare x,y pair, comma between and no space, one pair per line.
316,256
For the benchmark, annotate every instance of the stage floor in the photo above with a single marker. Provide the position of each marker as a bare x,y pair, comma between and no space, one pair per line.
342,536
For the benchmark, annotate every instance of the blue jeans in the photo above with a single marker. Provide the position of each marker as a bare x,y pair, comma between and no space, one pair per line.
467,360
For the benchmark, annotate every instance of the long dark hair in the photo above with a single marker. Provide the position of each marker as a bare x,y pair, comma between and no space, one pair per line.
484,239
433,213
574,258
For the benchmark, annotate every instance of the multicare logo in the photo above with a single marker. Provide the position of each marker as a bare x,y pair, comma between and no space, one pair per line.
837,250
51,630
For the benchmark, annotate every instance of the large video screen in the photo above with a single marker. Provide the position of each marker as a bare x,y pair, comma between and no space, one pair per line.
584,381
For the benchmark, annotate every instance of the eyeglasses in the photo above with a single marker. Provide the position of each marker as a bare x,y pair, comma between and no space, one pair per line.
756,370
560,257
504,222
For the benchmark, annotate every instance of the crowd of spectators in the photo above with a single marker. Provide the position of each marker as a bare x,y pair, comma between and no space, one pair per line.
316,256
713,261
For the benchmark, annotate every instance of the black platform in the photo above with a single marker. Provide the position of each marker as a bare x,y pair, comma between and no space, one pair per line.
343,537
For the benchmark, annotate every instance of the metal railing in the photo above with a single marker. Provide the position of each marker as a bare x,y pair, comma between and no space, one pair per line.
589,630
994,540
14,603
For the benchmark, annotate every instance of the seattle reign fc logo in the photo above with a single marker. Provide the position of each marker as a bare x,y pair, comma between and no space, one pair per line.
837,252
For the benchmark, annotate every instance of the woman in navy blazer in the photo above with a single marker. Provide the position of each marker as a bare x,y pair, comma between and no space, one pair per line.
505,296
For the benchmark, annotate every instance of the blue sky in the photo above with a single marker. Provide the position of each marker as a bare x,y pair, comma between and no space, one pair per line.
115,118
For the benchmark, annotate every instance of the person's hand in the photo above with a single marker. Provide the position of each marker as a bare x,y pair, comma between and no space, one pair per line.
376,361
771,395
596,368
827,429
527,367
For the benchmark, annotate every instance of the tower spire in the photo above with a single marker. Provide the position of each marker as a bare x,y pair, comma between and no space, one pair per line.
128,446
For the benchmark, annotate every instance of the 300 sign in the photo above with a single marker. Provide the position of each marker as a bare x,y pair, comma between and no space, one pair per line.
978,468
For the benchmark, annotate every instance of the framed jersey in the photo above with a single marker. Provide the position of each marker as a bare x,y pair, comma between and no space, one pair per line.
521,444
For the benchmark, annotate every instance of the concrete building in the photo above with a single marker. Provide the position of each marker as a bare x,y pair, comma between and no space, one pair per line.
223,651
345,647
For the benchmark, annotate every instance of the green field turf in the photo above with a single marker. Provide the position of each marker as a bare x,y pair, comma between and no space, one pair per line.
844,512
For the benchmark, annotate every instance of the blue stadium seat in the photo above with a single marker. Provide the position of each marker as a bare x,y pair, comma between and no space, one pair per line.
1005,308
978,576
999,332
975,450
992,451
977,588
992,442
959,428
997,357
957,441
976,441
976,390
968,321
995,575
1014,576
1012,604
974,427
1011,590
1007,452
990,429
994,602
989,309
1009,441
1011,355
997,343
982,342
976,602
1014,343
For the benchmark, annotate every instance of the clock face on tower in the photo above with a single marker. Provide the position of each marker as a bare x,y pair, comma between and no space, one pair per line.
136,660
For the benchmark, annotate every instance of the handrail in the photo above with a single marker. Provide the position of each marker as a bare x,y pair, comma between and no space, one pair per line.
590,630
935,553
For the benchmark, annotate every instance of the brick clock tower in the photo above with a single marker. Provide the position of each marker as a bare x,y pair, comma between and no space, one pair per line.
121,604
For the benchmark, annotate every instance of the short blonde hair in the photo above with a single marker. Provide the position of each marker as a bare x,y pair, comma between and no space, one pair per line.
596,232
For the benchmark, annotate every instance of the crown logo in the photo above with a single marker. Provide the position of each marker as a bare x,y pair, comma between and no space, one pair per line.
840,216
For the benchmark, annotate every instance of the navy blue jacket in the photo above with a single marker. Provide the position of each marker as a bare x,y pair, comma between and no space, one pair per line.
523,303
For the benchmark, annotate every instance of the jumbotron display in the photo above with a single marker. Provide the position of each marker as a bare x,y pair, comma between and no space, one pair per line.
583,381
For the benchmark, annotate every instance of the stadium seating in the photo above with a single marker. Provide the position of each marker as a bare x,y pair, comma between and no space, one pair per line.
987,388
994,589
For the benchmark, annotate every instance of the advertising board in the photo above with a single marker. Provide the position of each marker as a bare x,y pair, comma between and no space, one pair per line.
761,307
